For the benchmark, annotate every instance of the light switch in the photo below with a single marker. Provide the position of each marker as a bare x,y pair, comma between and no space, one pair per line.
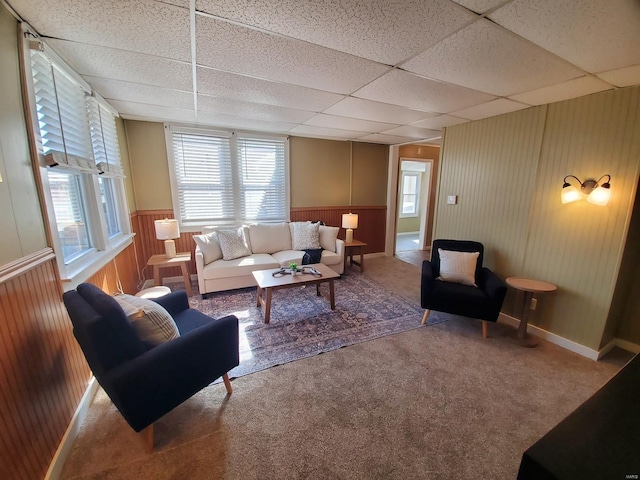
452,199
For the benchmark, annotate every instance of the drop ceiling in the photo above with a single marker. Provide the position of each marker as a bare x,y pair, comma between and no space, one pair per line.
382,71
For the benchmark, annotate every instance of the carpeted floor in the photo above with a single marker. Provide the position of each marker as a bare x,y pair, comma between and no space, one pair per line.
436,402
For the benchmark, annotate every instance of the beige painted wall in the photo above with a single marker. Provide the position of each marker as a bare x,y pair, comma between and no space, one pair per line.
507,172
126,164
21,220
149,165
370,168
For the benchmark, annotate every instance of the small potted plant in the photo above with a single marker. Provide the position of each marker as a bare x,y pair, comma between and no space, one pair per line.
293,266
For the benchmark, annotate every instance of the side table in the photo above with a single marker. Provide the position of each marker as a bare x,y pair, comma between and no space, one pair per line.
349,248
180,260
529,287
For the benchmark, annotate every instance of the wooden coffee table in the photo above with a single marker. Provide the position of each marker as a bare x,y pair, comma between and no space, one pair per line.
267,282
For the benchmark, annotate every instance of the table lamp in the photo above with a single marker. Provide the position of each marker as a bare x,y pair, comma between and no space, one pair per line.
349,221
167,230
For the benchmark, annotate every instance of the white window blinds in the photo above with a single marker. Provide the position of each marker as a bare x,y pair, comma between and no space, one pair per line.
104,138
220,178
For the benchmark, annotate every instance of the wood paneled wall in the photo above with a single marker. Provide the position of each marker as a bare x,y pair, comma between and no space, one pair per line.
43,371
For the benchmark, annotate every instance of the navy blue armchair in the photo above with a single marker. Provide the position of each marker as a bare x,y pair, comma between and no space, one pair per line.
146,383
482,302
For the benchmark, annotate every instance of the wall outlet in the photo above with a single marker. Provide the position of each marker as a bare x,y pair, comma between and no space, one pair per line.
534,303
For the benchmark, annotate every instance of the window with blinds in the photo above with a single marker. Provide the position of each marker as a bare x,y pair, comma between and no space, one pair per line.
221,177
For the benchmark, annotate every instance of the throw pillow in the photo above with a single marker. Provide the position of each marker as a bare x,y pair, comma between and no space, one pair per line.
312,255
209,246
328,237
152,322
458,267
305,236
232,244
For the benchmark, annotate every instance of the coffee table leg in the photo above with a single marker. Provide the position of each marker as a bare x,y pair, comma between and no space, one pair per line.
267,307
318,292
332,295
259,297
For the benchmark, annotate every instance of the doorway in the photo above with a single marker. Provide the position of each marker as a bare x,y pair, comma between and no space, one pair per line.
414,191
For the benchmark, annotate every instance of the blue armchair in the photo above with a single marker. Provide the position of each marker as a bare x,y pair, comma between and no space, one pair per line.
482,302
146,383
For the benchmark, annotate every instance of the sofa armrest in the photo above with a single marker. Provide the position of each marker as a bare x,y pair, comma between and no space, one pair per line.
427,281
174,302
340,247
155,382
199,257
492,286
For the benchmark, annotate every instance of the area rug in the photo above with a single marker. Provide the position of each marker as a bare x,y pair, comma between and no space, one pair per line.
302,324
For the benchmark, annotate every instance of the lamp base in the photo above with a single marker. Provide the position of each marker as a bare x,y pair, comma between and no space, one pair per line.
170,248
349,236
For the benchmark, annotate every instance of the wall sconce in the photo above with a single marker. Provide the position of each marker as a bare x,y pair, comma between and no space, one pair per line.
349,221
597,193
167,230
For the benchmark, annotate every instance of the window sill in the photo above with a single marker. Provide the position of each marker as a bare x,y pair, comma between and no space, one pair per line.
92,263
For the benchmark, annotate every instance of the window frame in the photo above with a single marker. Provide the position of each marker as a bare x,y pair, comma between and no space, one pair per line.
416,202
235,184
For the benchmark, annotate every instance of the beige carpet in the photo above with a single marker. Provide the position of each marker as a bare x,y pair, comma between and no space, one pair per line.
438,402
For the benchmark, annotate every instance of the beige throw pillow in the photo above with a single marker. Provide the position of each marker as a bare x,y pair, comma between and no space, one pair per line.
458,267
233,244
150,320
328,237
305,235
209,246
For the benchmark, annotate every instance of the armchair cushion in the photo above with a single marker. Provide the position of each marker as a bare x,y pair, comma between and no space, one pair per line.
458,267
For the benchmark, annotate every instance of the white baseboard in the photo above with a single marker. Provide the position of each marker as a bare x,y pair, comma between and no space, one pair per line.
570,344
55,467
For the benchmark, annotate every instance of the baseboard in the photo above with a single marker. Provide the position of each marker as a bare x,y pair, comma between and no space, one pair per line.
627,345
66,444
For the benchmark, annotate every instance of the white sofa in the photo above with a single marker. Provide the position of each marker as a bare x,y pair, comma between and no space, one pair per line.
268,246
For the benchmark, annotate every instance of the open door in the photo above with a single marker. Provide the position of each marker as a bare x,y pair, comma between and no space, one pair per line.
414,192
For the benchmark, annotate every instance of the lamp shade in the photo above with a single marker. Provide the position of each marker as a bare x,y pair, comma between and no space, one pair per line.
601,195
167,229
349,220
570,193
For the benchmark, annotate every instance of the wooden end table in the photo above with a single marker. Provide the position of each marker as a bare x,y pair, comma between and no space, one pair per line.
529,287
355,246
180,260
267,282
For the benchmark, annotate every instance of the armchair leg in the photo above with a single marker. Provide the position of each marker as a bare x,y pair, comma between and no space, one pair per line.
484,328
146,436
425,316
227,383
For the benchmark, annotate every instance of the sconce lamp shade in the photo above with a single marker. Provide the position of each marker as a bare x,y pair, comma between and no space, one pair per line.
595,192
349,221
167,230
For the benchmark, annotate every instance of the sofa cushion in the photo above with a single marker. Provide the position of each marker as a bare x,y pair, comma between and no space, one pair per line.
458,267
151,320
232,244
209,246
269,238
328,237
286,257
239,267
305,235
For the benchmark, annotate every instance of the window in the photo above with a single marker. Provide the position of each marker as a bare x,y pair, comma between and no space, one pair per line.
82,177
410,189
226,177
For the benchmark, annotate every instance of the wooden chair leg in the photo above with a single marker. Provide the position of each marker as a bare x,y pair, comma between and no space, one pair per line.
227,383
484,328
146,436
425,316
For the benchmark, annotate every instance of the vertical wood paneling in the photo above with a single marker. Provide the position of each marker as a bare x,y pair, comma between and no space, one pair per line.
43,373
508,173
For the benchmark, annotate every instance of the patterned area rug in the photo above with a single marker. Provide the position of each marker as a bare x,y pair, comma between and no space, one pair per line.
302,324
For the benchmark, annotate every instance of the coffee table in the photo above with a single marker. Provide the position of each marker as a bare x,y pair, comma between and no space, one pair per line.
267,283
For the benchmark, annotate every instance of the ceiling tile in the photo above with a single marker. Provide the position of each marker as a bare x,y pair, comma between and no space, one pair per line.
233,48
244,124
239,87
479,6
490,109
345,123
413,132
563,91
117,64
386,139
412,91
255,111
144,26
177,3
376,111
440,121
135,92
323,132
595,35
143,111
488,58
623,77
402,27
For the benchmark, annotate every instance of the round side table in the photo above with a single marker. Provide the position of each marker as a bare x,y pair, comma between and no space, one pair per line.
153,292
529,287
